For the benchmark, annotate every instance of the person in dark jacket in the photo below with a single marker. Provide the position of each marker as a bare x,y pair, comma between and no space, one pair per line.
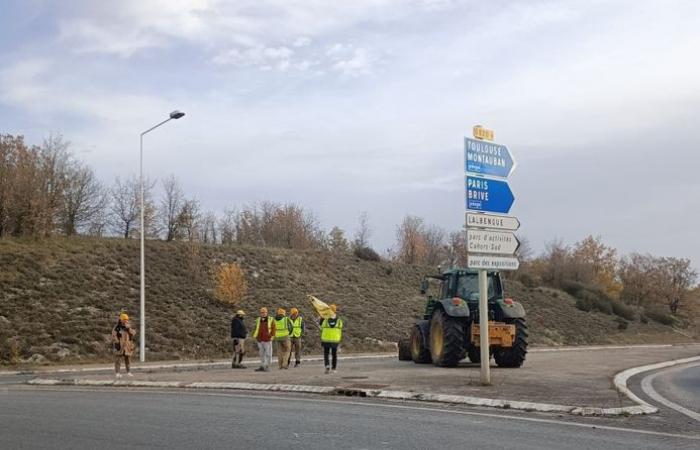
238,335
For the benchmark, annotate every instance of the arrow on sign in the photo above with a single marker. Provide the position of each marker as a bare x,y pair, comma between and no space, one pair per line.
487,158
488,262
493,242
488,195
492,221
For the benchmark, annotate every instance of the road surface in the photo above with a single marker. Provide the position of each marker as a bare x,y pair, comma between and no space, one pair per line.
677,388
123,418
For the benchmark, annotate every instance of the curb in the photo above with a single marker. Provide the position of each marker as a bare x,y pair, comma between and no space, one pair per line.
621,378
353,392
174,366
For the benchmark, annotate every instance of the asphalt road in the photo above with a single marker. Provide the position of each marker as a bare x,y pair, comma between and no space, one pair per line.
45,418
676,388
681,386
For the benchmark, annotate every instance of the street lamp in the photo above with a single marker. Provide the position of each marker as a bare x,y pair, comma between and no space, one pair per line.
142,353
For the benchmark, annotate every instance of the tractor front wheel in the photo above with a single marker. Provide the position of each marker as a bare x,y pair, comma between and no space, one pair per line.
446,340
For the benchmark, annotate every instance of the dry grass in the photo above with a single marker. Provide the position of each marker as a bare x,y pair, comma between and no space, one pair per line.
59,299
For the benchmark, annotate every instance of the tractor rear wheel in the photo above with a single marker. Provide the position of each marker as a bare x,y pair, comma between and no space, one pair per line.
419,353
404,345
446,340
515,355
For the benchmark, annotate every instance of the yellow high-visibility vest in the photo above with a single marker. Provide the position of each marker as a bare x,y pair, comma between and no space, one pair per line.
257,327
281,328
296,327
329,334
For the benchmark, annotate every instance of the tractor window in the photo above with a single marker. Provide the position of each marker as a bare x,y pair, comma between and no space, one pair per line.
468,287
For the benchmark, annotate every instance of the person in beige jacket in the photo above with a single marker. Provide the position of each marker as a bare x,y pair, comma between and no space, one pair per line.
123,344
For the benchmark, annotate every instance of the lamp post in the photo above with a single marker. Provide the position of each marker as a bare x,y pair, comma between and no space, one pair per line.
142,335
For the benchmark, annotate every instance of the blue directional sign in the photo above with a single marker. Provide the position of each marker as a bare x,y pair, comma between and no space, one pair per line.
487,158
484,194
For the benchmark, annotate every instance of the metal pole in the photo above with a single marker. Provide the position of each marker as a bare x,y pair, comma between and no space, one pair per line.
142,334
484,328
142,330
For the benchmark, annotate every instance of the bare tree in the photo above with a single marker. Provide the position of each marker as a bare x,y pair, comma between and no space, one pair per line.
363,231
679,278
435,247
188,220
82,200
227,227
209,229
171,206
457,249
125,206
410,240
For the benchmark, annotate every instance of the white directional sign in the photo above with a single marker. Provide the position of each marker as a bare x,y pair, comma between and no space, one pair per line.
492,221
493,242
488,262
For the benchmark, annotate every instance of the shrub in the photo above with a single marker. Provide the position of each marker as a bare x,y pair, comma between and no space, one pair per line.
621,323
622,310
659,316
366,254
231,285
584,305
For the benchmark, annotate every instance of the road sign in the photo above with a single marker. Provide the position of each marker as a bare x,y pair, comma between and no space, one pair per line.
480,132
476,220
488,262
487,158
484,194
492,242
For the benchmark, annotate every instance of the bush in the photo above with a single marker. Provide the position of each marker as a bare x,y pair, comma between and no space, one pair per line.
366,254
584,305
659,316
231,286
621,323
622,310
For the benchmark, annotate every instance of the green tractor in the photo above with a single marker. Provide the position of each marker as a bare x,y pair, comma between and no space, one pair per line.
449,331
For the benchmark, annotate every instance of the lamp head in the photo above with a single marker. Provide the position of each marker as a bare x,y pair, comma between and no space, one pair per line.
176,114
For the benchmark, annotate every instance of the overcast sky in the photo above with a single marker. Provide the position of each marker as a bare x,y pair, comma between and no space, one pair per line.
352,106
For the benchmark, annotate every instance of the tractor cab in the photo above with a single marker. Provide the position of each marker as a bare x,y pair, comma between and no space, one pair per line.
459,284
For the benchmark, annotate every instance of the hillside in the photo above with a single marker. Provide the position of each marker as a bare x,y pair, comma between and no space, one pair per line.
59,299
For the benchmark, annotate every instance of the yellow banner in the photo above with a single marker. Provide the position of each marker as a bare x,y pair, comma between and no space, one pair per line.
321,308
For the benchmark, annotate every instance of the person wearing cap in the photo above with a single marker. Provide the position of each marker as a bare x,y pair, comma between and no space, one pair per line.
331,335
297,332
123,344
238,335
263,334
283,331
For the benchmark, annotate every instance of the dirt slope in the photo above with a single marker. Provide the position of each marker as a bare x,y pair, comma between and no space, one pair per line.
59,299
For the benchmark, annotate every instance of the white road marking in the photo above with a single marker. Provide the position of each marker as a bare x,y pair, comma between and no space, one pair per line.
388,405
648,388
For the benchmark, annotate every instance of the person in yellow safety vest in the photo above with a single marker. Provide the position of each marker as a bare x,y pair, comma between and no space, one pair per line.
263,335
283,331
298,329
331,335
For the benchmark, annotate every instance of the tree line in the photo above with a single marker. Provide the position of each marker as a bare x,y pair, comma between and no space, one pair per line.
45,191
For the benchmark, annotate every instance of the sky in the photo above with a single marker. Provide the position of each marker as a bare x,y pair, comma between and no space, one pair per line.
346,107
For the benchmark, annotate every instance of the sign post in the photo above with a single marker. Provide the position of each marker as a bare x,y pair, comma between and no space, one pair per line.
490,241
